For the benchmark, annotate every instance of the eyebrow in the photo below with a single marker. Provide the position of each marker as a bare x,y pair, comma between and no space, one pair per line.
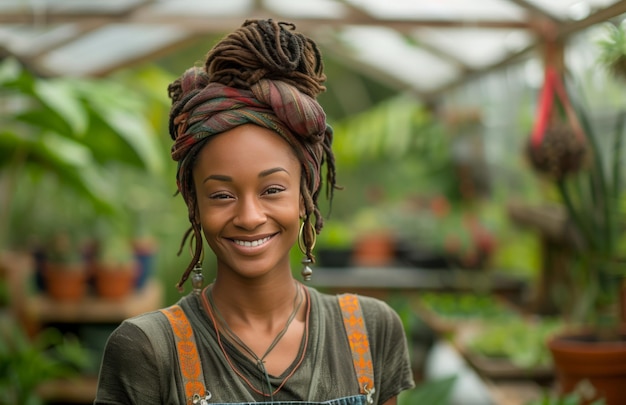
264,173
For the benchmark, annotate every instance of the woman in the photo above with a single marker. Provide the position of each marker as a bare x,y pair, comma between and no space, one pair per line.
250,140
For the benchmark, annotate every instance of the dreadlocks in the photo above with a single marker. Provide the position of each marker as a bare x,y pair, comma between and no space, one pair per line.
263,73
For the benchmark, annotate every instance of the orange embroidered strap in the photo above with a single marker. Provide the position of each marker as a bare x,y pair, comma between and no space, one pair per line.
188,357
359,343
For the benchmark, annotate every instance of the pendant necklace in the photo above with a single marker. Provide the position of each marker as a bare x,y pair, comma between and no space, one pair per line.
213,311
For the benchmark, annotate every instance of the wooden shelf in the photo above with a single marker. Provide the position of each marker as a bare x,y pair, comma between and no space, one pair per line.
42,309
80,390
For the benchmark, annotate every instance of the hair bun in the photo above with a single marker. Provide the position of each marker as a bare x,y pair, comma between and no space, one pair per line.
266,49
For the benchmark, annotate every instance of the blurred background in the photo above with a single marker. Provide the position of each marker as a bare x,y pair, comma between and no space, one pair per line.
433,104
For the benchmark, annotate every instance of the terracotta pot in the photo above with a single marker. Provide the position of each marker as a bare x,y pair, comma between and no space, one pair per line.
603,364
374,250
65,282
115,283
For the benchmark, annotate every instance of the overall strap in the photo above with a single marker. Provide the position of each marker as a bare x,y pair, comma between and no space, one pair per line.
359,344
188,357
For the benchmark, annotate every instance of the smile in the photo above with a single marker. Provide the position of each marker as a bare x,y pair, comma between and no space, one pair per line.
252,243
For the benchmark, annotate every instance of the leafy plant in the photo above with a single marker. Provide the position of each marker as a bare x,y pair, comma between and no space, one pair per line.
26,363
458,306
432,392
517,340
67,130
594,201
613,49
579,396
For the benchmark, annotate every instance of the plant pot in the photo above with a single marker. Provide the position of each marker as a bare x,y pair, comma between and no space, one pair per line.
374,250
64,282
115,283
602,363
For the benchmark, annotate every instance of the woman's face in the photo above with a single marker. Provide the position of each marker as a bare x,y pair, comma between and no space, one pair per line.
247,184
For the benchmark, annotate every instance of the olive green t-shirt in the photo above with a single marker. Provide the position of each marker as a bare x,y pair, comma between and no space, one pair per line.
140,362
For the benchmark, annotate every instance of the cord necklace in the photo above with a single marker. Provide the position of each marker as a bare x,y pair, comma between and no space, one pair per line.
213,311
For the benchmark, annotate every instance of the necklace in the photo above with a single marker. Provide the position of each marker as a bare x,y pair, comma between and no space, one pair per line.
213,311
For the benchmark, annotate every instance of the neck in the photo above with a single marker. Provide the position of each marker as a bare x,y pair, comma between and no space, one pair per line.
251,301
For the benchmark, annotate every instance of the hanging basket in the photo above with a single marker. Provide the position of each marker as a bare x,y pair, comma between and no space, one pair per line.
560,152
557,146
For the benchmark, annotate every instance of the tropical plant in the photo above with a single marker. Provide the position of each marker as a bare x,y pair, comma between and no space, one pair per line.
595,204
66,131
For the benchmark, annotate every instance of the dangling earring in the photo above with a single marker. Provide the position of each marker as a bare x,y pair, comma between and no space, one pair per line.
307,271
197,278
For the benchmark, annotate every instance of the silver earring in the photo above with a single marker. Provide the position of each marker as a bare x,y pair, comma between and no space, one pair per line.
197,278
307,271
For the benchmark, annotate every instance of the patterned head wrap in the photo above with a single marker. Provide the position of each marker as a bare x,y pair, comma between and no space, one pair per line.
265,74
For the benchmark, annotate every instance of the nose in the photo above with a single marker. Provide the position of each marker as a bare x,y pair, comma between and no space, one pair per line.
250,213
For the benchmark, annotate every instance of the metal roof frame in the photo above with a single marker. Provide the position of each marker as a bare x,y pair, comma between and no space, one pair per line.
47,35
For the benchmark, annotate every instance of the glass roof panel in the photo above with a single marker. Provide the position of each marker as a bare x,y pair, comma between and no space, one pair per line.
475,47
390,52
70,6
571,9
92,51
26,40
443,9
201,7
81,6
308,8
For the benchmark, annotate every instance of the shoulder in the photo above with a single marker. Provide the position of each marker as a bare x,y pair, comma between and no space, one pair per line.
151,326
377,313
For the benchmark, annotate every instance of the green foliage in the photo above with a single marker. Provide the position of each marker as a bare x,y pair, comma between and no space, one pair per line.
613,49
392,129
581,395
594,200
518,340
69,131
26,363
464,306
431,392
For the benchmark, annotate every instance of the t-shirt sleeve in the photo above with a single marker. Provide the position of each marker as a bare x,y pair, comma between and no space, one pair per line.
129,371
390,354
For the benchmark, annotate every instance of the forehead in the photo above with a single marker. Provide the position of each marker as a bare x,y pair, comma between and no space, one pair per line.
247,146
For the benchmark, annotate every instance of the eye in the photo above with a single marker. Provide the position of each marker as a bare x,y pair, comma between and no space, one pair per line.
274,190
220,196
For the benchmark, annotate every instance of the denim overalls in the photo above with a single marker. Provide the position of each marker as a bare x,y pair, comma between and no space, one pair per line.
191,369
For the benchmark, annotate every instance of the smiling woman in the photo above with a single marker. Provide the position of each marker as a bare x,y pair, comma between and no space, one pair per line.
251,140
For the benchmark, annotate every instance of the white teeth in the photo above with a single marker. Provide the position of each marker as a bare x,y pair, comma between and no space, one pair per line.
252,243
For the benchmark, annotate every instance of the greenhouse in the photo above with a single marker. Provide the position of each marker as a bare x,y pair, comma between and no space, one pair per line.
478,159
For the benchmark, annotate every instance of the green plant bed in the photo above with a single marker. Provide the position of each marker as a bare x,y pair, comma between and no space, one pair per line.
511,348
446,311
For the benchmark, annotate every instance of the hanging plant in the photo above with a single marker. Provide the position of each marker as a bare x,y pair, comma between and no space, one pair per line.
557,145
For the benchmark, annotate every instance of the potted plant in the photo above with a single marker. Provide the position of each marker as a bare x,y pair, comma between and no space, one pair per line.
64,271
115,267
587,173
